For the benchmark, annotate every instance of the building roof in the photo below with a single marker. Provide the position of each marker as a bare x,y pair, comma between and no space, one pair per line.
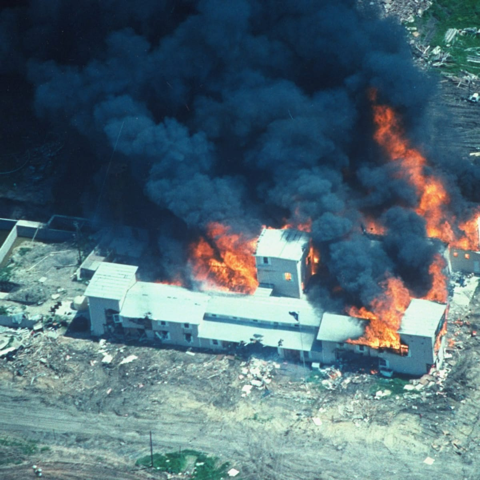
285,244
422,318
264,309
270,337
111,281
166,303
340,328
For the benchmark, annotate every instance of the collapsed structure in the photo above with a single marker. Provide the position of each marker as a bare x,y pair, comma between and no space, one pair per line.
277,315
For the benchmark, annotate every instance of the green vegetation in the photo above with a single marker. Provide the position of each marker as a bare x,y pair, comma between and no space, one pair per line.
3,310
6,273
459,14
200,466
395,385
22,251
14,451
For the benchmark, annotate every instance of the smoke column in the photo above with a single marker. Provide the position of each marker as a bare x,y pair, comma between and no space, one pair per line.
244,113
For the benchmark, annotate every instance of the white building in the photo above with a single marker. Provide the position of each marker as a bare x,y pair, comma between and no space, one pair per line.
283,261
275,316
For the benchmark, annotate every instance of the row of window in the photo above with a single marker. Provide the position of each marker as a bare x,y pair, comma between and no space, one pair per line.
467,255
188,337
184,325
165,335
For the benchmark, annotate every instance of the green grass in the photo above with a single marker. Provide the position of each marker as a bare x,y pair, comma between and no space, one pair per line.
445,14
201,466
395,385
14,451
6,273
3,310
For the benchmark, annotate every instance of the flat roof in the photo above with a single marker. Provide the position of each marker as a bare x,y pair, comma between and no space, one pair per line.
422,318
270,337
268,309
285,244
166,303
340,328
111,281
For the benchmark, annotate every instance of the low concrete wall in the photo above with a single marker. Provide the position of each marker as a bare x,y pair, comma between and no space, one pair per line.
8,243
16,321
41,232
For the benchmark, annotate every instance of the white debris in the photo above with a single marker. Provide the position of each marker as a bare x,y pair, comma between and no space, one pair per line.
107,358
429,461
233,472
128,359
317,421
246,389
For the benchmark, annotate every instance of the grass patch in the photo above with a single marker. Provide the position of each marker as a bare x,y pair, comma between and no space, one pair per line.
6,273
459,14
22,251
199,465
15,451
3,310
395,385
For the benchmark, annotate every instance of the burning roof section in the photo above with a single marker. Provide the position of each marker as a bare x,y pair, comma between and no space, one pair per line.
284,244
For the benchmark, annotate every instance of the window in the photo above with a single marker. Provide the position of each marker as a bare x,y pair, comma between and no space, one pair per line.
188,338
340,345
186,325
163,324
467,256
361,348
266,261
163,335
455,254
116,318
214,342
288,276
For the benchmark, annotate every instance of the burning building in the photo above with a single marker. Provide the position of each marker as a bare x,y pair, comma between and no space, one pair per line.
276,315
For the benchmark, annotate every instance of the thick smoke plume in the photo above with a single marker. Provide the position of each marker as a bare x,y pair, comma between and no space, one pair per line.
241,112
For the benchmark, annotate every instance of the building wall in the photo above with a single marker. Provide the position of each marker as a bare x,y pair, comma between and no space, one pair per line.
466,261
169,333
274,274
98,308
419,359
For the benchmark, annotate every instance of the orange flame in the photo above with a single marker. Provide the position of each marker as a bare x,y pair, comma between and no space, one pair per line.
372,226
385,317
438,292
440,335
296,223
225,261
433,198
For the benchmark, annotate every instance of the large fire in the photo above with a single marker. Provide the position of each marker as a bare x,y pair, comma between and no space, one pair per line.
224,260
433,198
433,205
385,317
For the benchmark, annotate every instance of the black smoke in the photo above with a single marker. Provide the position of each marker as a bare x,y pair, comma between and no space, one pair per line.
241,112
